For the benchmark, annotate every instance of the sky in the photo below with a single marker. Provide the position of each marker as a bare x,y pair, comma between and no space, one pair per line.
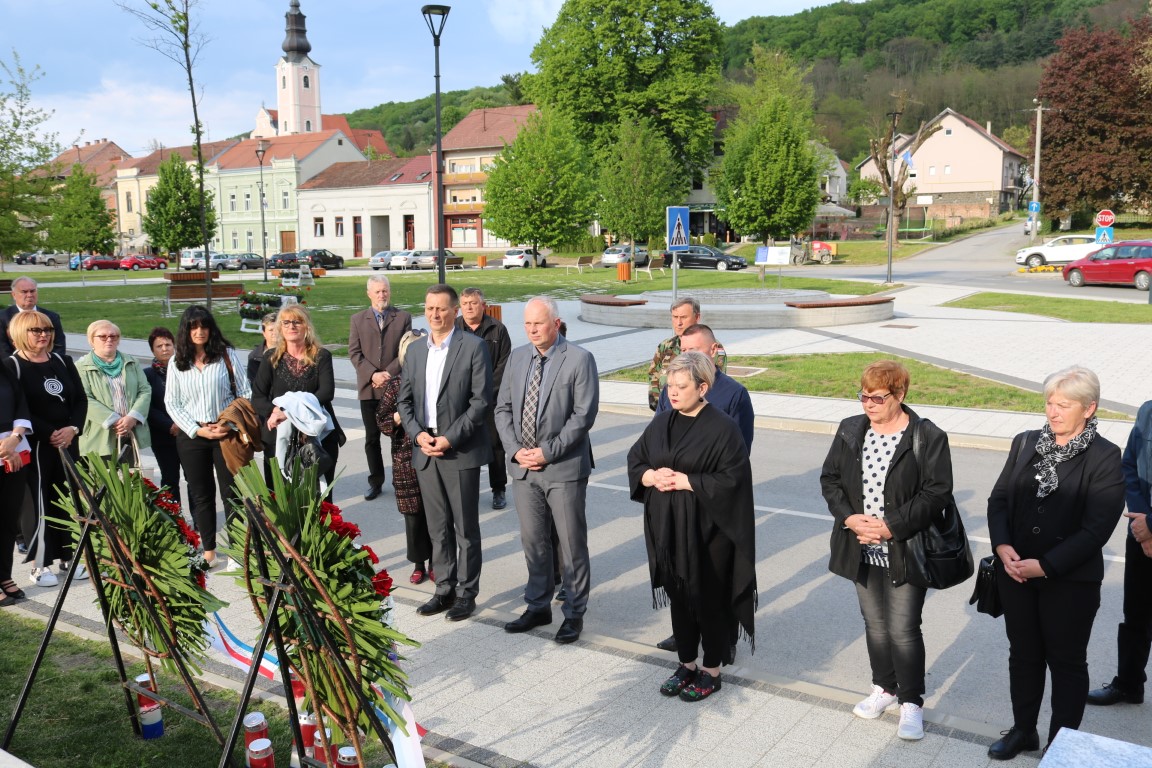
100,80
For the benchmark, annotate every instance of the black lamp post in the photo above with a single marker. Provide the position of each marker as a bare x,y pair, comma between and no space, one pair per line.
261,149
436,16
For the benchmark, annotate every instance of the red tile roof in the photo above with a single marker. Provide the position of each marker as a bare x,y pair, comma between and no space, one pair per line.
375,173
299,145
335,123
149,165
370,137
490,127
99,158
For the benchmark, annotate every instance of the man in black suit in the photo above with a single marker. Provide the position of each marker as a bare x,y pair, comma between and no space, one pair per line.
25,294
445,389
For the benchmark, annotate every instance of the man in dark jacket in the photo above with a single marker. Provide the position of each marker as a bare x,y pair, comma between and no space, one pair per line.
25,294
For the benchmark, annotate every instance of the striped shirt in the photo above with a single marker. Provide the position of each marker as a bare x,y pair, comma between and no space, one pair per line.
196,396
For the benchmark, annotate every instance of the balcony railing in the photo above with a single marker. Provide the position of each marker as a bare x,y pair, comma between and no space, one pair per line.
469,207
474,177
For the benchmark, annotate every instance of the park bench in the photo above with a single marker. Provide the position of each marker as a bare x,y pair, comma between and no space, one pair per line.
858,301
453,262
611,301
5,286
581,262
653,263
193,292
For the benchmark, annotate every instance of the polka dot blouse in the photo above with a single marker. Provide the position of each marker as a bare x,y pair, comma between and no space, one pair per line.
875,459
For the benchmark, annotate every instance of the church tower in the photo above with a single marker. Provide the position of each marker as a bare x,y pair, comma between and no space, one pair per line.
297,79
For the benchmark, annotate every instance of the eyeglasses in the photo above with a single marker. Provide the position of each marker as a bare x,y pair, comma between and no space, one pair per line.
878,399
293,323
41,331
108,336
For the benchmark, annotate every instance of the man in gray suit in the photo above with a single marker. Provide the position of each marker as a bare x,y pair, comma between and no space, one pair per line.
544,412
445,388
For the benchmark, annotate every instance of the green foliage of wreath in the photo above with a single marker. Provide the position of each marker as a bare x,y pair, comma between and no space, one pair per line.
171,566
339,583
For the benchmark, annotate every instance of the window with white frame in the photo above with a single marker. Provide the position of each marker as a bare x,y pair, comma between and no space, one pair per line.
947,170
128,201
235,240
247,201
931,170
318,227
284,201
339,226
248,240
232,202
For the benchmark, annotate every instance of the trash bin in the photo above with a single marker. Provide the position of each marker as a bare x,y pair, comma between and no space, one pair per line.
624,271
482,260
495,312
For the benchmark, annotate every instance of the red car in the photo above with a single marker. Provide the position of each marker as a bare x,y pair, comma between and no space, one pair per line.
1126,263
100,261
136,261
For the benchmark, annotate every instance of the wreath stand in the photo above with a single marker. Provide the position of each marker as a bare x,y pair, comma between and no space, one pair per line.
266,540
129,575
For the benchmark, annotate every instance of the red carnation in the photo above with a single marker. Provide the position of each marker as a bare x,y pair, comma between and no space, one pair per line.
342,528
371,554
382,583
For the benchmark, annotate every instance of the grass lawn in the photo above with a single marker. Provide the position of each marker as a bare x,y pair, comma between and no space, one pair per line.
838,375
76,718
1076,310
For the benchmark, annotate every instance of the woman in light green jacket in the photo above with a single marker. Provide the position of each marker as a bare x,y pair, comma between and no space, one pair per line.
118,395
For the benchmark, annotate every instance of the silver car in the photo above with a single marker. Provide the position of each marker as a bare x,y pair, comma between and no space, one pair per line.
381,260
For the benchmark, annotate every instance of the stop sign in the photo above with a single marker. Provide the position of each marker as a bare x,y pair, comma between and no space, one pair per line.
1105,218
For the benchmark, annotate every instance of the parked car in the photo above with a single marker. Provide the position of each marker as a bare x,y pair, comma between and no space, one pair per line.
619,254
100,261
48,258
191,258
243,261
74,262
1060,250
321,257
402,260
381,260
283,260
1126,263
705,257
522,257
22,258
427,259
138,261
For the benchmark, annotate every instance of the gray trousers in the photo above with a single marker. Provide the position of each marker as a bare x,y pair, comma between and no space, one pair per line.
540,504
451,504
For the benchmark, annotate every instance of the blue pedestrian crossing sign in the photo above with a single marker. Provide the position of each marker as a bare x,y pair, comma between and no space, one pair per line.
678,230
1104,235
1034,206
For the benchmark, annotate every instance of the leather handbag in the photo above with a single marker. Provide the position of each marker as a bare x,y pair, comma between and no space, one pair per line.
938,557
986,593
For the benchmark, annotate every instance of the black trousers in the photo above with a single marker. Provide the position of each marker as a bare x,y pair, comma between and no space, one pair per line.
168,459
1049,623
416,535
1134,638
498,469
706,626
201,459
12,489
372,451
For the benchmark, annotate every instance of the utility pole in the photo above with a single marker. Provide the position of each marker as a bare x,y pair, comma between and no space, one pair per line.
1036,169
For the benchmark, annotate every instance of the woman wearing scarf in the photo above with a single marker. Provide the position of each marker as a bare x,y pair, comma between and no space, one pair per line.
161,428
1050,514
118,396
690,469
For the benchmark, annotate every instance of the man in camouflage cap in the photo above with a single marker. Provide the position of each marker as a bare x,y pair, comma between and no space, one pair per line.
685,312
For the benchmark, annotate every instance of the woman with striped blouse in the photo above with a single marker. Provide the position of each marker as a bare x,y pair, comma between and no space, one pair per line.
206,376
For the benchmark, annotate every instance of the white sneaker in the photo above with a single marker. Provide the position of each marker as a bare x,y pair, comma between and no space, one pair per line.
874,706
911,722
42,577
81,570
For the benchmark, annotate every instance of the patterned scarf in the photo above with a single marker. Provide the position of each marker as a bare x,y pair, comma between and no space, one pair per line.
1052,454
160,368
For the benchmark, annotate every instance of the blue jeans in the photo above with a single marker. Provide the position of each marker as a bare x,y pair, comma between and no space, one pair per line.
892,631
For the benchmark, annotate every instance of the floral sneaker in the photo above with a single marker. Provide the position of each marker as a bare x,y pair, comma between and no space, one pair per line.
705,686
680,679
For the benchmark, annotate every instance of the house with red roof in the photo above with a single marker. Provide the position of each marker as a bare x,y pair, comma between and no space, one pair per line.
100,158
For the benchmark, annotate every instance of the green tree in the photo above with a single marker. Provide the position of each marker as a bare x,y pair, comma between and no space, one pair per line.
637,179
540,190
81,222
604,59
172,215
26,152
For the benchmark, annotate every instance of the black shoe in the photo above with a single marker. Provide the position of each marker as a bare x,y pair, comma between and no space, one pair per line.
528,620
21,547
1110,694
561,595
667,644
569,631
461,609
1014,742
373,492
438,604
499,500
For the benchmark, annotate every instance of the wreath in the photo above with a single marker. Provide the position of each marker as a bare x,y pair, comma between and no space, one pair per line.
339,584
163,553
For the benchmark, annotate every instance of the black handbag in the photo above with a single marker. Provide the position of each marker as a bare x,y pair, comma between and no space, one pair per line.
938,557
986,593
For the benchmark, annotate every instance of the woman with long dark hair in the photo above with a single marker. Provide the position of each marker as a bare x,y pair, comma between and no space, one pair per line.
207,375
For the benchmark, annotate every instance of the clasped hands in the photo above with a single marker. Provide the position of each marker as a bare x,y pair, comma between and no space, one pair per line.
530,458
666,479
868,529
1019,570
432,446
1140,531
124,425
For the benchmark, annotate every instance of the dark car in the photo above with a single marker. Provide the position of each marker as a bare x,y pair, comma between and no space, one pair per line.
100,261
705,257
1127,263
283,261
321,257
138,261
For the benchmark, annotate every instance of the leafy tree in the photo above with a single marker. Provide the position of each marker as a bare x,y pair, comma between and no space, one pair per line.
410,126
81,222
638,178
540,190
604,59
861,191
26,151
172,217
513,87
1020,138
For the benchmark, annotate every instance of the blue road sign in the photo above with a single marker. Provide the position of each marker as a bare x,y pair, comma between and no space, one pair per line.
1105,235
1034,206
678,230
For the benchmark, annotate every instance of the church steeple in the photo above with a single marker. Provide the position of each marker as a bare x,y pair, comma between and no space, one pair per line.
295,35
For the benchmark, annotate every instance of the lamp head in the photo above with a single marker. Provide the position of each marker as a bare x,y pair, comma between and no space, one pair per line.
436,16
261,149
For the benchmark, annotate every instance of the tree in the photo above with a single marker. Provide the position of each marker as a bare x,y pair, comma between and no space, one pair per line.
637,179
81,222
539,190
26,153
174,214
894,174
604,59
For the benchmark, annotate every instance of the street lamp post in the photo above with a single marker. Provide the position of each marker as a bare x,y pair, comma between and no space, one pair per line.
261,149
436,16
1036,171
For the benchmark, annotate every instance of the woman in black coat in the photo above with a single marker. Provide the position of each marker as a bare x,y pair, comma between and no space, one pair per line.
1050,514
882,495
15,422
161,428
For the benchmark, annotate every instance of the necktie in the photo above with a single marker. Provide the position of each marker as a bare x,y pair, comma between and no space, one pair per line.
531,404
380,321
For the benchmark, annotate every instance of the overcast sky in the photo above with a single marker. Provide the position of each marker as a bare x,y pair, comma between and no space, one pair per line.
101,82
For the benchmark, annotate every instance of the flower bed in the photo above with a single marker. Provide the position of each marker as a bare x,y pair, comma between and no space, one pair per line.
254,304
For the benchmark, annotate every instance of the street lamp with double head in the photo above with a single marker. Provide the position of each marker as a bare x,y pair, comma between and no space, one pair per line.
261,150
436,16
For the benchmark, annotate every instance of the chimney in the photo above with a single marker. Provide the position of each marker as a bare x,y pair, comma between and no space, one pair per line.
87,143
988,127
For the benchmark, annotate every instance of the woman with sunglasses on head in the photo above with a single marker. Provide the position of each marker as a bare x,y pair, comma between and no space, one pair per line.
207,375
296,363
881,494
118,397
58,407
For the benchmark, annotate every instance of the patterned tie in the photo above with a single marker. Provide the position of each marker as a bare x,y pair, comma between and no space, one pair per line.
531,404
380,321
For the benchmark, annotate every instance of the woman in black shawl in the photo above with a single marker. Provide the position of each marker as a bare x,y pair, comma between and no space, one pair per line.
690,469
